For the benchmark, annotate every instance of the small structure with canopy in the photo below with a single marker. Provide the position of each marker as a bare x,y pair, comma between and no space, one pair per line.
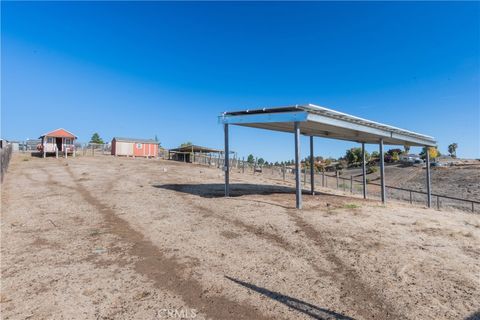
315,121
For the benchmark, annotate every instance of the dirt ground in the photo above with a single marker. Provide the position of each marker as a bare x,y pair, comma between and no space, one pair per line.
459,181
115,238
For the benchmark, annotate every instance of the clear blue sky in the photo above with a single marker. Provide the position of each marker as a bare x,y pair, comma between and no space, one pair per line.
140,69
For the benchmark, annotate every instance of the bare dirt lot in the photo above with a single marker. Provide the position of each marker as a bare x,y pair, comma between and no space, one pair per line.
113,238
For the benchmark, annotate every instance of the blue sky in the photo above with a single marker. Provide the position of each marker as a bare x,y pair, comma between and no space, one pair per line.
169,69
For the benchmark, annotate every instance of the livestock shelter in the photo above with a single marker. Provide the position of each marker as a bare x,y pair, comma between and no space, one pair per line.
57,141
188,153
316,121
131,147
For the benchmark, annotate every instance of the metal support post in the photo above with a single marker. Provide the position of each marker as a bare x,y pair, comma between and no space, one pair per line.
312,168
298,187
382,172
364,172
429,192
226,164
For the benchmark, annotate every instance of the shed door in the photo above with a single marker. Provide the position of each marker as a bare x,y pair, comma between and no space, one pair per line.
124,148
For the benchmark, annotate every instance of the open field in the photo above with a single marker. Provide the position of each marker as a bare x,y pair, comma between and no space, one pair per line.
115,238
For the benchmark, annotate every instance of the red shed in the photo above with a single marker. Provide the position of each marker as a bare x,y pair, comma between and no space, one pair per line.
57,141
134,147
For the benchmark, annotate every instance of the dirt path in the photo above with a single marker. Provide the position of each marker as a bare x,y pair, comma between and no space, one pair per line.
362,298
110,238
167,273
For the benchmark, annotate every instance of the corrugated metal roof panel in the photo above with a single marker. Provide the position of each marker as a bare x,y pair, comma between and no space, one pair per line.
195,148
134,140
320,121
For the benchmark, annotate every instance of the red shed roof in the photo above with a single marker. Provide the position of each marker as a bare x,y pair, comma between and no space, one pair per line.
59,133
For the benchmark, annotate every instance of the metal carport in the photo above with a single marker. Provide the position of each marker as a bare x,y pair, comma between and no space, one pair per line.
316,121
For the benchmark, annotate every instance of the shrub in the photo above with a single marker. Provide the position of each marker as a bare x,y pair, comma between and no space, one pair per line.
372,169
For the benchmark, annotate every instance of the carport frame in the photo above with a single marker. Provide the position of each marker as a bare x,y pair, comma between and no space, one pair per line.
312,120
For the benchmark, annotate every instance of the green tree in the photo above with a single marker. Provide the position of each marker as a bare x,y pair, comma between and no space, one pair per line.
261,161
393,151
158,142
186,144
452,149
354,155
319,167
96,138
433,152
395,157
250,158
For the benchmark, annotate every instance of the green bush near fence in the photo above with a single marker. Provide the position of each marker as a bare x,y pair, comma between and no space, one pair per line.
372,169
344,186
351,206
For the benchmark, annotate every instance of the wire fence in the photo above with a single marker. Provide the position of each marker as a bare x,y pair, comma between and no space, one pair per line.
334,180
81,149
93,149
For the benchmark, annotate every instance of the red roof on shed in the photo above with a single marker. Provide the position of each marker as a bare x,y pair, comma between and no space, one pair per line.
59,133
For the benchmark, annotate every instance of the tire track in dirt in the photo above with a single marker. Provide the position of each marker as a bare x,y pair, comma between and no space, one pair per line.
166,273
363,299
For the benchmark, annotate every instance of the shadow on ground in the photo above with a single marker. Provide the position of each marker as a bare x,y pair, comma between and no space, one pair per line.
215,190
474,316
301,306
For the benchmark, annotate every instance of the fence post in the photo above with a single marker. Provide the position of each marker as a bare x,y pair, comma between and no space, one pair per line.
473,208
284,171
351,184
336,175
411,202
323,178
438,203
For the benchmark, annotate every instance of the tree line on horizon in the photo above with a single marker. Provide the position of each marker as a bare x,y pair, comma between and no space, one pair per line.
353,157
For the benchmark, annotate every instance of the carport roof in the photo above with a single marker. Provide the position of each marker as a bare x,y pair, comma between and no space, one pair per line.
195,148
323,122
